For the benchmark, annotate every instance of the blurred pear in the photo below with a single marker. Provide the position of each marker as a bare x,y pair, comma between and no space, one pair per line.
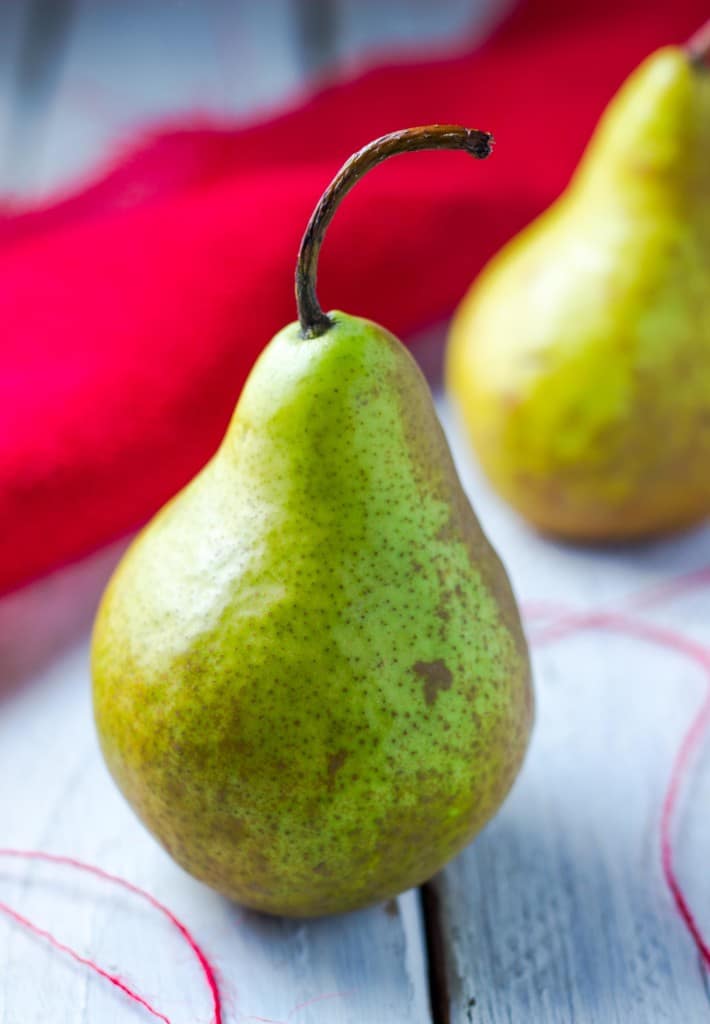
580,359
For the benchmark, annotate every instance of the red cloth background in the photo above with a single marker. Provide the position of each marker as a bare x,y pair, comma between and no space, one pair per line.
131,312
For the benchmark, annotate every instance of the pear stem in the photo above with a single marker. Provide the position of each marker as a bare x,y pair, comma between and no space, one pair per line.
313,320
698,47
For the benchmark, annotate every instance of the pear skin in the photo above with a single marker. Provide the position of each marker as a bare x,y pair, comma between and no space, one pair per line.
580,359
310,677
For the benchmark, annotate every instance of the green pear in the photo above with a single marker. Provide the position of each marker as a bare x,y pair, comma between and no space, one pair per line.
580,359
310,678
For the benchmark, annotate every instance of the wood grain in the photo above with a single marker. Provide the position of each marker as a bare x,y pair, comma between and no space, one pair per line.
55,795
127,65
559,911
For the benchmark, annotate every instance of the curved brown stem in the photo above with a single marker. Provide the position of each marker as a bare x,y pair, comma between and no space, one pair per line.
698,46
313,320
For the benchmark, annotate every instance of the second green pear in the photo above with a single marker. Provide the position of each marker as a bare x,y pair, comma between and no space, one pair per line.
580,360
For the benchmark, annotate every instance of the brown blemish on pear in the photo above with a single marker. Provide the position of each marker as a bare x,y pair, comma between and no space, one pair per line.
335,763
436,677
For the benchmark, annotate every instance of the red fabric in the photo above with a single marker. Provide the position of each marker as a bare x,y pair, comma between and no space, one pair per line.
131,313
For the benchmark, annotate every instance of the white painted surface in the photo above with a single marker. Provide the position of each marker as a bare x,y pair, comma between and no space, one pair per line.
126,65
558,912
55,795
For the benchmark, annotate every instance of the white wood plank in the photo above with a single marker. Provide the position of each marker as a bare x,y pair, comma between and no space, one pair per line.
130,65
37,34
559,911
32,36
11,26
368,28
56,795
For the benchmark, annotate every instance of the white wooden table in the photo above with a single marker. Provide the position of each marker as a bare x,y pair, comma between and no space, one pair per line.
557,913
